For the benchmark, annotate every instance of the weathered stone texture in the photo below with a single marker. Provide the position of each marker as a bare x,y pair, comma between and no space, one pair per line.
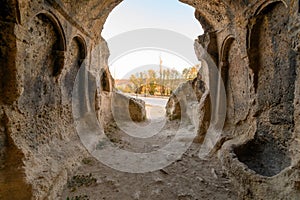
255,45
274,83
173,108
127,108
186,94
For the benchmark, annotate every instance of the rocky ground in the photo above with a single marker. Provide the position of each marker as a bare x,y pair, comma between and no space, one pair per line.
188,177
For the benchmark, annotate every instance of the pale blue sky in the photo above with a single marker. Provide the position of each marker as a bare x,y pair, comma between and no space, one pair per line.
137,14
165,14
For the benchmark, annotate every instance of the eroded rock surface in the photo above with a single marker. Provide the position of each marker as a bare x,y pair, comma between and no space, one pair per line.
127,108
187,93
191,101
254,44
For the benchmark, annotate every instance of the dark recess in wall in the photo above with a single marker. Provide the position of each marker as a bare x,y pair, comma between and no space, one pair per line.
105,82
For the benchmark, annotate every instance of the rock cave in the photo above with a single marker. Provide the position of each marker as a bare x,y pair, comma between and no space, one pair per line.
255,45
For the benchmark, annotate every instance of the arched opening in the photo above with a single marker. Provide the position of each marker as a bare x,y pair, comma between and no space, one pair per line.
225,60
44,62
75,55
81,45
224,70
274,68
57,47
42,95
153,75
234,74
36,120
105,83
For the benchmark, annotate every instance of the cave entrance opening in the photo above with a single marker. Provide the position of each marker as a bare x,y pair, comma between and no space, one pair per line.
149,73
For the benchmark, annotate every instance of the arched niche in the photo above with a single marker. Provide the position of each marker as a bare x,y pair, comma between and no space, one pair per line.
224,72
80,43
234,76
274,72
43,62
59,47
104,80
266,4
76,55
224,65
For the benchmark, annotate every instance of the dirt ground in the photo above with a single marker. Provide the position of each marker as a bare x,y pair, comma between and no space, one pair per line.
188,178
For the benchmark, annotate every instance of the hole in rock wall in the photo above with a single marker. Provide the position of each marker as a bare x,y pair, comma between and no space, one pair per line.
105,82
155,74
76,55
44,58
225,62
225,73
264,155
274,80
234,75
58,47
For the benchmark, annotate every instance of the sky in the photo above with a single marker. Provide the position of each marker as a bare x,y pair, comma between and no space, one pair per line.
137,14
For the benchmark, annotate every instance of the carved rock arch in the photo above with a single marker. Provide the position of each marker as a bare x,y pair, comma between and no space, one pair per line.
45,50
224,58
274,68
234,74
266,4
76,55
60,46
82,47
104,80
224,72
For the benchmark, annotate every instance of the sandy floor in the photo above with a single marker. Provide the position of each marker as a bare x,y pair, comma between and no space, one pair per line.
188,177
154,112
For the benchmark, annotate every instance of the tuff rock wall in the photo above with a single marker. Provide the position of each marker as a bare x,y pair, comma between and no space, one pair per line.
43,44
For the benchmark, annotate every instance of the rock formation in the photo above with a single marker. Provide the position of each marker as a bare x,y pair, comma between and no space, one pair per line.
43,44
191,100
127,108
186,93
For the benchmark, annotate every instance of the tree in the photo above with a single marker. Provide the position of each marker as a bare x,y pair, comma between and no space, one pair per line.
185,73
151,81
134,80
161,76
137,81
190,73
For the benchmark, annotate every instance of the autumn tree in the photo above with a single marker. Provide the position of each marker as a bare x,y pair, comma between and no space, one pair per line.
163,81
190,73
151,81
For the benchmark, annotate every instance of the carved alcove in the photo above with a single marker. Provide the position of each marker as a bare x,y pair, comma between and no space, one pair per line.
274,68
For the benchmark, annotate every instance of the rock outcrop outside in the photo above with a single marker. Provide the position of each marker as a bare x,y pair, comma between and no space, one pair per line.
127,108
